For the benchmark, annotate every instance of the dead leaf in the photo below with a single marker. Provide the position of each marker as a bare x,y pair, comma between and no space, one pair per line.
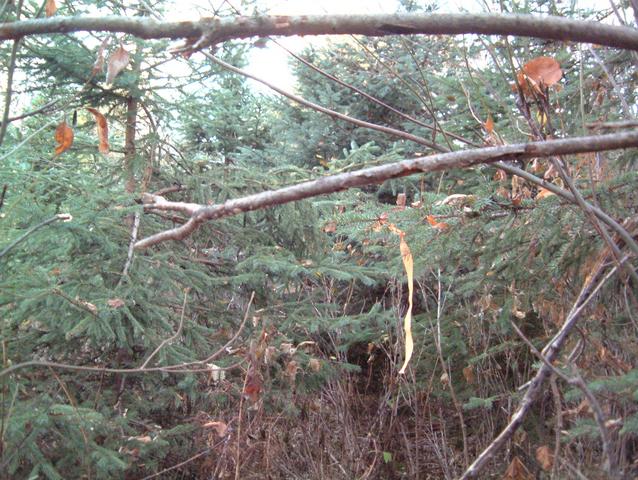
142,439
98,66
543,70
441,226
543,193
545,457
330,227
252,389
291,370
102,130
468,373
64,137
50,8
408,264
117,62
115,302
537,74
221,428
314,364
517,471
401,200
489,125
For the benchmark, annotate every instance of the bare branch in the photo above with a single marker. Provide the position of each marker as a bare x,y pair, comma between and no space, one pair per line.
172,337
335,183
61,216
550,352
210,31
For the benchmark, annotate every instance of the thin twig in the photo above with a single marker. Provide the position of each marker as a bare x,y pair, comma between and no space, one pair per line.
131,248
65,217
177,368
181,464
577,381
551,350
327,111
3,194
172,337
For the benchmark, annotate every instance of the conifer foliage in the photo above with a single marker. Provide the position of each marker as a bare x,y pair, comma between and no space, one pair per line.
392,330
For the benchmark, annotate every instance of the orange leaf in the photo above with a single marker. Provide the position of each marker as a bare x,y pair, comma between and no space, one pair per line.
117,62
442,226
489,125
537,73
50,8
545,457
102,130
64,136
468,373
252,389
543,70
543,193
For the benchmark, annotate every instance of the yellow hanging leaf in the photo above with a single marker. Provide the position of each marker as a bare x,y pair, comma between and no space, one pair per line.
408,263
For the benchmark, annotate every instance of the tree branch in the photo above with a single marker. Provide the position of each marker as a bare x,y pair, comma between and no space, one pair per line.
335,183
550,352
210,31
61,216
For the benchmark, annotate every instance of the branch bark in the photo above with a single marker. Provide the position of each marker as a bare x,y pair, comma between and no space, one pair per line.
210,31
335,183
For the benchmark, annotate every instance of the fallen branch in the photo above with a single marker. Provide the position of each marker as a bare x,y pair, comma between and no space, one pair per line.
335,183
210,31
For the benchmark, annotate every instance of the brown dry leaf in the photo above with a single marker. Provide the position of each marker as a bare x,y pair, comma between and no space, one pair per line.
50,8
489,125
98,66
500,175
115,302
517,471
102,130
330,227
441,226
252,390
314,364
543,70
538,73
543,193
545,457
291,370
221,428
64,137
117,62
401,200
468,373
